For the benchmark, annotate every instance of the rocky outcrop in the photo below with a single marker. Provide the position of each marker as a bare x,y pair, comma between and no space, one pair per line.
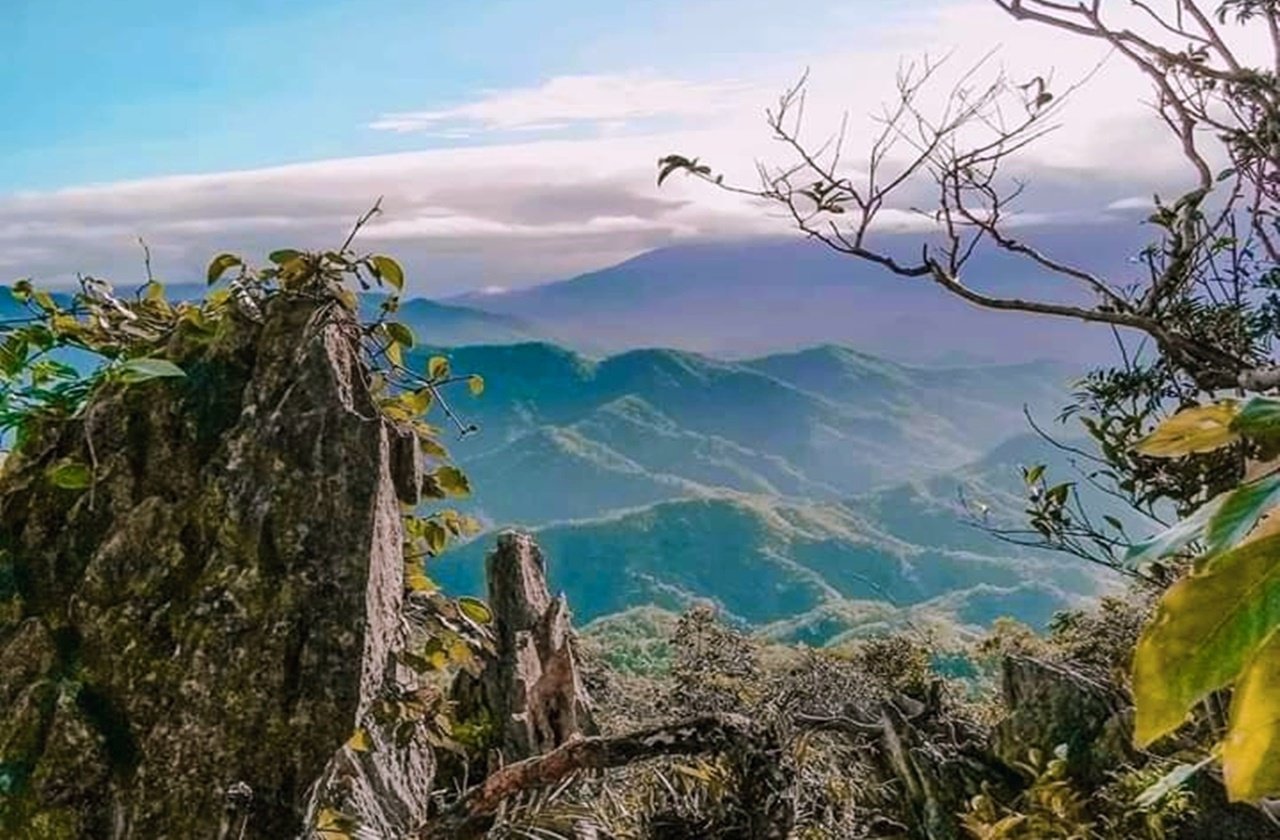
531,694
1051,706
185,643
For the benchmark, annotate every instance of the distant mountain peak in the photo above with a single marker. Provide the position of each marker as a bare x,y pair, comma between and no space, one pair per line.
751,298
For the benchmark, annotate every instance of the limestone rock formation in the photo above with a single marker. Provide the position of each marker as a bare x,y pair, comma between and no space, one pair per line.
532,691
185,644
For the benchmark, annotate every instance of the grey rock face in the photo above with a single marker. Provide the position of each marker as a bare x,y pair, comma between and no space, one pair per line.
184,645
532,691
1051,705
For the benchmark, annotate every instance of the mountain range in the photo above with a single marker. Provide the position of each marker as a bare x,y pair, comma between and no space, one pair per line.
911,553
737,299
808,494
649,425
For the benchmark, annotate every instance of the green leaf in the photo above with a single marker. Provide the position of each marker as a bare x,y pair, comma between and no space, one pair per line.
399,333
140,370
1251,751
1206,627
283,256
70,475
388,270
1257,417
44,300
1192,430
452,481
438,368
437,538
1033,474
1058,493
476,610
1175,538
475,383
1171,781
1240,512
221,265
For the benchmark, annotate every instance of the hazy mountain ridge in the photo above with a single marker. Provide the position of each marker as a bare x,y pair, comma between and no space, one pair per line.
738,299
666,424
810,494
811,571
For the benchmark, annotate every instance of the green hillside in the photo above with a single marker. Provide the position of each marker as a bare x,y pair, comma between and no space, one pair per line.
815,570
810,494
659,424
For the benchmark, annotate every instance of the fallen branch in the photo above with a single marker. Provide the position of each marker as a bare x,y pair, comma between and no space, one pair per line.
473,814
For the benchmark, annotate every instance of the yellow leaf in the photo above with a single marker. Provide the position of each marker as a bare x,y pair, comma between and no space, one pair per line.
220,265
476,610
1200,429
460,652
1251,752
389,271
347,298
437,368
416,579
418,401
452,481
333,825
1206,628
359,741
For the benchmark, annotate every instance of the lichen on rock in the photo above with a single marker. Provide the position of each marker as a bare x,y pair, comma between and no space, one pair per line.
186,643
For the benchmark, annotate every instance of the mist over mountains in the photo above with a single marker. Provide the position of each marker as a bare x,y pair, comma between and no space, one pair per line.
761,297
810,489
809,494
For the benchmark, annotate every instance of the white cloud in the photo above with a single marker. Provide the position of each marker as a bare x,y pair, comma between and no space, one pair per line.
1137,202
563,101
532,208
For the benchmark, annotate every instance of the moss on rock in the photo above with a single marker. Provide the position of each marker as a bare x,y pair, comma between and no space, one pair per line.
194,622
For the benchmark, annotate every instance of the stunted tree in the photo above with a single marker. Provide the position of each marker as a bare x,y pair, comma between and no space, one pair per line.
1197,320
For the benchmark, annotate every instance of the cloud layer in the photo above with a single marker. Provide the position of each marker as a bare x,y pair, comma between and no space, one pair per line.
602,101
541,202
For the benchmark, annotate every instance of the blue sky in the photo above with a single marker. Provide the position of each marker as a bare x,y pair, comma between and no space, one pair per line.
97,91
514,141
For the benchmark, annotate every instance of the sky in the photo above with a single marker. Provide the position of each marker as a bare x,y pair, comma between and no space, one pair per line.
514,141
